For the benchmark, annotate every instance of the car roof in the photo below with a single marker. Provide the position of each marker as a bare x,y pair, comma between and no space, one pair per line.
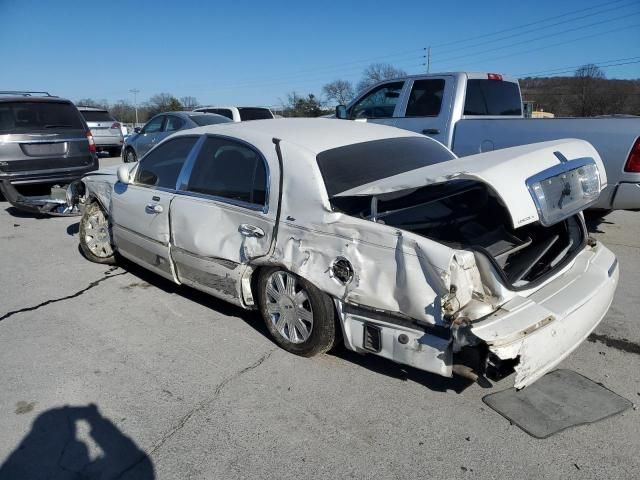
83,108
313,134
32,98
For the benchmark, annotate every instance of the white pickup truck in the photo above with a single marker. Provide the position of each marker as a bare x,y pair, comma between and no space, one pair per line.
479,112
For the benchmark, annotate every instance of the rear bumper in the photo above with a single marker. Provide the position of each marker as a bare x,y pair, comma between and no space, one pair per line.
55,203
543,329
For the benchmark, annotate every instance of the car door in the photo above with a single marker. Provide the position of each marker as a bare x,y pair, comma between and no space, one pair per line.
222,217
380,104
140,209
147,137
426,109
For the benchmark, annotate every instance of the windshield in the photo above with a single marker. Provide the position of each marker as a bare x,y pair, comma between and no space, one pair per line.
97,116
203,120
30,116
351,166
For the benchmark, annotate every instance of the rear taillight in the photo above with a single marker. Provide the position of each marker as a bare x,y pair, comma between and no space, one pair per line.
115,125
494,76
92,143
633,162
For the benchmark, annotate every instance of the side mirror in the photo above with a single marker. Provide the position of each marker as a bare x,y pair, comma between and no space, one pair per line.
137,130
341,112
124,174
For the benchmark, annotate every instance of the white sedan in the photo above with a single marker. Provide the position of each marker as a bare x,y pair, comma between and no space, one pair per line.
374,236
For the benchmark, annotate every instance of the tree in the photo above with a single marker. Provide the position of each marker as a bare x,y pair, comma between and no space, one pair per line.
339,91
123,111
377,72
298,106
90,102
188,102
588,100
162,102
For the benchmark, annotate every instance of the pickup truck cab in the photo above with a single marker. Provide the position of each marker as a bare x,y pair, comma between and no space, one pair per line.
479,112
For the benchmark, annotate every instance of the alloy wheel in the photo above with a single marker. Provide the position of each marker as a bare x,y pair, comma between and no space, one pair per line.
288,307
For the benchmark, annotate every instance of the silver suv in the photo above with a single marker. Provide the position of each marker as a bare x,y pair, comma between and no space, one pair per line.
105,129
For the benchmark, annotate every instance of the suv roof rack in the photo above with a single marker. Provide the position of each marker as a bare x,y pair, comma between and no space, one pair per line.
25,93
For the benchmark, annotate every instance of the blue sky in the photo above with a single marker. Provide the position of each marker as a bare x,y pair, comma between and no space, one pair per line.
254,52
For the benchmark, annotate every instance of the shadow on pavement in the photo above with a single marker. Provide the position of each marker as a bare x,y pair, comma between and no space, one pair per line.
594,218
75,443
73,229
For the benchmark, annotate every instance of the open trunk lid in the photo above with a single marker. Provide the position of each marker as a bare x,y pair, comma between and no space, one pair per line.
543,182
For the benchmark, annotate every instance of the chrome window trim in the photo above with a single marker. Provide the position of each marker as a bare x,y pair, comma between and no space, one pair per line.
182,186
557,170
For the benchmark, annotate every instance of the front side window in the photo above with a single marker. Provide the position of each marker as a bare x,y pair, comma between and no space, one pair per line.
229,170
173,124
426,98
378,103
154,125
161,167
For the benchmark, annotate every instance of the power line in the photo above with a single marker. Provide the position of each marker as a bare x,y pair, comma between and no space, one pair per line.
554,44
517,27
520,33
572,69
621,17
599,63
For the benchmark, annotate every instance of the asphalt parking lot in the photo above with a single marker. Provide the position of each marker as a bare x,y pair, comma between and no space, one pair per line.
173,384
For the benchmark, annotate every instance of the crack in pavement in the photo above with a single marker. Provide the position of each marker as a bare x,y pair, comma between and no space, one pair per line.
621,344
68,297
199,407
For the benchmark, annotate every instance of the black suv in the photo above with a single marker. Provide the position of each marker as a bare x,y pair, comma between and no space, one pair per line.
45,144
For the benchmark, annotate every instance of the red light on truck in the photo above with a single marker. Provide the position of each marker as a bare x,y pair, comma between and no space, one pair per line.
494,76
115,125
633,162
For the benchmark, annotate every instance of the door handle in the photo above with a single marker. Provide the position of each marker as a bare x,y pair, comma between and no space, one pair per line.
251,230
153,208
431,131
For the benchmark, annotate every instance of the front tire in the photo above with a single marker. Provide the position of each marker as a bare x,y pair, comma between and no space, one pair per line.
300,318
130,156
95,235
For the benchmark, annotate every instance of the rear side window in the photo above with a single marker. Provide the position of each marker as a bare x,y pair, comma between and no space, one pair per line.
173,124
203,120
251,113
31,116
426,98
225,112
229,170
161,167
97,116
492,97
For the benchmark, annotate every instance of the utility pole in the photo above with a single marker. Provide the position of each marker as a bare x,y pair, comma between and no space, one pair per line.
428,56
135,92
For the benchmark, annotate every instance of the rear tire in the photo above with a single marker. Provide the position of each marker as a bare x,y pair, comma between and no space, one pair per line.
299,317
130,156
95,235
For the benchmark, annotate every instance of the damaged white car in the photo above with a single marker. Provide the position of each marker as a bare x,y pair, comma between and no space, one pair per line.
372,235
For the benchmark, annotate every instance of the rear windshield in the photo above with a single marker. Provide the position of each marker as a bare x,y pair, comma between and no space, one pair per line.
203,120
97,116
351,166
29,116
251,113
492,97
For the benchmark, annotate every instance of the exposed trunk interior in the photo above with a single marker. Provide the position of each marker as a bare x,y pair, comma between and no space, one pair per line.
466,214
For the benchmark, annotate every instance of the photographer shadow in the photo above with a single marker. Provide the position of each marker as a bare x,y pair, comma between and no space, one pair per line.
74,443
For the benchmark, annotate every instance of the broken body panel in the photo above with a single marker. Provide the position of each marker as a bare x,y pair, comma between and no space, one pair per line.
422,299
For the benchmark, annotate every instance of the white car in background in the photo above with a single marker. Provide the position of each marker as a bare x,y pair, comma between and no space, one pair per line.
239,114
106,130
372,234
